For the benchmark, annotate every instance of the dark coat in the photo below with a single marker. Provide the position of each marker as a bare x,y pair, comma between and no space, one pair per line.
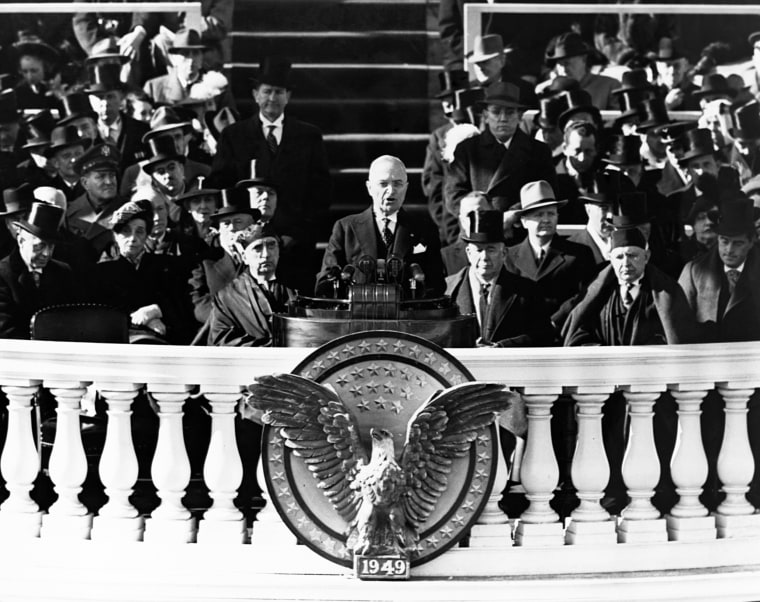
130,146
669,307
704,282
415,241
92,224
516,316
563,274
193,169
454,257
582,237
20,298
432,186
207,279
481,163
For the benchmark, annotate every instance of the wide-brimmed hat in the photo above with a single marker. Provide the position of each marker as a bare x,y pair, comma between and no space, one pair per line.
162,149
39,128
104,77
43,221
102,156
275,71
623,150
565,46
163,120
186,39
654,114
107,50
604,188
64,136
216,121
486,47
630,210
503,94
536,195
75,106
666,51
746,121
32,45
578,101
696,143
262,181
714,85
627,237
236,200
736,217
484,227
549,110
9,112
17,200
137,209
450,81
635,79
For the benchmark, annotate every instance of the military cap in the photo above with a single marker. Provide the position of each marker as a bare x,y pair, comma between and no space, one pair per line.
103,156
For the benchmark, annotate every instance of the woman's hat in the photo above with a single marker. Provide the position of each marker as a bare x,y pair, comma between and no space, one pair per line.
32,45
484,227
140,209
536,195
567,45
44,220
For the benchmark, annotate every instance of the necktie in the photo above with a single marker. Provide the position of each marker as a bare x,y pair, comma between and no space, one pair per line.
387,234
271,140
733,278
541,255
36,276
485,289
628,297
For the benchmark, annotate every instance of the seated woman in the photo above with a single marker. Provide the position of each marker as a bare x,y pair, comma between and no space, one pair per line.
149,287
38,68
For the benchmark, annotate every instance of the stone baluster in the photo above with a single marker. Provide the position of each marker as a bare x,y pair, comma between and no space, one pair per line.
19,515
223,472
171,522
590,522
641,472
688,519
67,517
269,529
492,528
118,519
539,525
735,516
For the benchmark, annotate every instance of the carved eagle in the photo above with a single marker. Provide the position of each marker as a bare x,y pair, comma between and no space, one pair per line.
387,497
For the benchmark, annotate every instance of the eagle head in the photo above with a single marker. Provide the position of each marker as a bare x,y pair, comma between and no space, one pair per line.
382,445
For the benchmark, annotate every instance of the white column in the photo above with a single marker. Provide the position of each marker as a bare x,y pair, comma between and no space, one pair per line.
735,516
19,515
118,519
269,529
539,525
641,472
67,517
223,472
688,519
171,522
590,523
492,527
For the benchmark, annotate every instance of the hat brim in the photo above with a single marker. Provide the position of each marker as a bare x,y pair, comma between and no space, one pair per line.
194,194
540,205
550,60
150,166
481,238
256,182
178,49
42,50
45,235
509,104
100,89
162,129
74,116
108,56
566,115
595,199
693,155
51,150
255,213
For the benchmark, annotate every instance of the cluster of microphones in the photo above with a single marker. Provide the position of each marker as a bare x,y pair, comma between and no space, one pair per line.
368,270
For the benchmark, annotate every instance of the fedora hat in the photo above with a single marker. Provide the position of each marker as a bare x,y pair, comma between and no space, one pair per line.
17,200
450,81
635,79
275,71
666,51
9,112
549,110
696,143
216,121
535,195
736,217
236,200
76,105
714,85
165,119
43,221
64,136
604,188
630,210
102,156
486,47
106,50
104,77
39,127
565,46
484,227
32,45
503,94
162,149
623,150
746,121
654,114
186,39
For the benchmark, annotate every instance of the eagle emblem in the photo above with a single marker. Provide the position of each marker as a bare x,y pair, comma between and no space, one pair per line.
383,494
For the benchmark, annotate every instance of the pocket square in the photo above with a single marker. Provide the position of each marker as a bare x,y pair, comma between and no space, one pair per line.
419,248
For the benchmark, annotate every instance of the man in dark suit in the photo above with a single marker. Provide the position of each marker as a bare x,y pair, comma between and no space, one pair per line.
384,230
287,151
29,278
561,269
454,255
502,159
509,312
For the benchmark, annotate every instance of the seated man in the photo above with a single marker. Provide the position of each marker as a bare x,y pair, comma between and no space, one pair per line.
385,229
576,168
241,313
454,255
508,310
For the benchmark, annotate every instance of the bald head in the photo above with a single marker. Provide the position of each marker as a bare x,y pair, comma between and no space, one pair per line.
387,184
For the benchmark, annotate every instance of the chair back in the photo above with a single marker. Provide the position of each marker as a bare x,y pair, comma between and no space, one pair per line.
81,322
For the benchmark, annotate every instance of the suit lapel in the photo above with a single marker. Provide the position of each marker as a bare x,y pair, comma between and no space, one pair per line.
554,258
501,300
525,261
258,147
512,161
402,238
366,232
463,296
747,283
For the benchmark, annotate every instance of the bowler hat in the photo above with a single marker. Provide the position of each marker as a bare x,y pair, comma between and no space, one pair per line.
696,143
163,120
623,150
666,51
484,227
236,200
714,85
107,50
138,209
32,45
451,81
9,112
75,106
486,47
43,221
565,46
605,187
635,79
163,149
216,121
186,39
627,237
275,71
535,195
736,217
102,156
503,94
64,136
746,121
39,127
654,115
104,77
17,200
550,108
631,210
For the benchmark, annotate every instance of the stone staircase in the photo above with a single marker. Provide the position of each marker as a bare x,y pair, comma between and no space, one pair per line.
364,73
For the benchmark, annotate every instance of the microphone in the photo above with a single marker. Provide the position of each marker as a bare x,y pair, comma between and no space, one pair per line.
367,265
417,274
381,270
394,269
333,272
347,275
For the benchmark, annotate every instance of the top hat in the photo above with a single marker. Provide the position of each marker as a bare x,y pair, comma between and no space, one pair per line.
736,217
216,121
17,200
696,143
578,101
64,136
627,237
558,85
746,121
654,114
635,79
102,156
104,77
76,105
43,221
484,227
262,181
535,195
605,187
32,45
451,81
236,200
674,131
163,149
9,112
39,127
163,120
630,210
565,46
274,71
550,108
714,85
503,94
106,50
197,191
666,52
486,47
623,150
186,39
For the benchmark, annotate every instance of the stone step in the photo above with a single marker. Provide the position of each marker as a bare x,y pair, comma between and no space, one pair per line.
361,150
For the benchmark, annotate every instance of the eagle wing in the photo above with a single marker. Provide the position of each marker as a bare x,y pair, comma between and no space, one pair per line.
316,425
443,429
